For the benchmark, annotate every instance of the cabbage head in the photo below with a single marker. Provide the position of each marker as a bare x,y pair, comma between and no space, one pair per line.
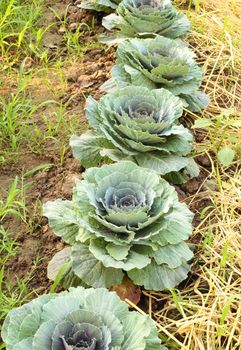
159,63
106,6
80,319
123,220
141,125
148,17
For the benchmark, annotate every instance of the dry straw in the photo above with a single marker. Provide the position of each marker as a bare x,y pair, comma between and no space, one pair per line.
206,313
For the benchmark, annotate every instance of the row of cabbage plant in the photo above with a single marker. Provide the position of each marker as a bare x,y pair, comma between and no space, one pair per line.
154,79
124,219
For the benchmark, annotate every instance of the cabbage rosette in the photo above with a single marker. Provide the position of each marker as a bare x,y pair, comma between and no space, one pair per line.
123,219
81,319
141,125
159,63
147,17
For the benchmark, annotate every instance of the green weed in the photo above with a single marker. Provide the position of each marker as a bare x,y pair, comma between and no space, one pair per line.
19,32
8,247
222,136
14,203
12,293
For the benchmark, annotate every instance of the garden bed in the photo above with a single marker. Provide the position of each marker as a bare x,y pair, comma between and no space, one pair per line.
46,169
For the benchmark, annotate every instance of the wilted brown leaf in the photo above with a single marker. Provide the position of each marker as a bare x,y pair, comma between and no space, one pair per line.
128,290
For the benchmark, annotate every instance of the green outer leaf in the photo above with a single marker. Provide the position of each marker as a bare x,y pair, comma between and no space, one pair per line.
124,75
84,199
114,328
59,308
43,336
60,270
103,300
92,271
110,232
135,328
88,147
23,344
159,277
118,252
176,227
153,341
173,255
176,178
94,174
135,77
59,263
63,219
196,101
92,113
99,5
111,21
162,164
115,155
83,235
192,169
16,318
134,259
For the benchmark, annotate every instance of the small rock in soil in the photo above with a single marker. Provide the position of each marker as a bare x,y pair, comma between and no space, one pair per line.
204,160
73,75
192,186
52,40
73,26
85,81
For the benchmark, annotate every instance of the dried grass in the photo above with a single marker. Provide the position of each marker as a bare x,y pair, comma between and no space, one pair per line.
205,314
216,38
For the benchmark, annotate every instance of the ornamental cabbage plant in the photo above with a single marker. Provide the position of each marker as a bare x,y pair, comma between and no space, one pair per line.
90,319
159,63
141,125
148,17
99,5
123,220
